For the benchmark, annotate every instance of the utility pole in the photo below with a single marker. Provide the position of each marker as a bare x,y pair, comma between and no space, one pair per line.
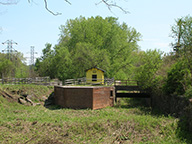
9,50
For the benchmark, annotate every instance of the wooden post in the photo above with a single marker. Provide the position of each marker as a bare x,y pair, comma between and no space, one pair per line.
115,95
115,91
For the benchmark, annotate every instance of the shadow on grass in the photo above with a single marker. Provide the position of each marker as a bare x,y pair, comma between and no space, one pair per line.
49,103
142,104
182,130
53,107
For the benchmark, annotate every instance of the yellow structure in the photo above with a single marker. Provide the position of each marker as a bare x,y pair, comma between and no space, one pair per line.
95,75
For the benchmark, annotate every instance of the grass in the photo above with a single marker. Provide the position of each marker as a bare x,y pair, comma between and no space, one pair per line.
37,93
127,122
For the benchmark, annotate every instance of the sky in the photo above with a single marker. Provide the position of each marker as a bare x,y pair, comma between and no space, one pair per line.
30,24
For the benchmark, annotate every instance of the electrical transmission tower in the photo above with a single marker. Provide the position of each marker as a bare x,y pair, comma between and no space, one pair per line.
9,50
31,62
32,53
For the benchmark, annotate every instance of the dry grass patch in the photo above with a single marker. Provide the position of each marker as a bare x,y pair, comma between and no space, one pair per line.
122,124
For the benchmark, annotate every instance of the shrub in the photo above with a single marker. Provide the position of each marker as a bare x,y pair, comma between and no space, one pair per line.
188,92
179,79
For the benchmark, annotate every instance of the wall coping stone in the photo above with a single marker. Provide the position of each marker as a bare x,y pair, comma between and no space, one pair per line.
85,87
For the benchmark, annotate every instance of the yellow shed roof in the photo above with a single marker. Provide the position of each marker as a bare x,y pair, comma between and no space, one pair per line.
96,68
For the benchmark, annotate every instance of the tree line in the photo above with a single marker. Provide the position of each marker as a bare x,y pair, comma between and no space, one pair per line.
107,44
13,65
170,74
85,43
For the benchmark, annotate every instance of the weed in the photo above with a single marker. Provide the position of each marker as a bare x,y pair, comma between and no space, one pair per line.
123,124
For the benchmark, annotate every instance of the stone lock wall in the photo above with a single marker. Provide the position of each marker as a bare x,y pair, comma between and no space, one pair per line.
83,97
178,106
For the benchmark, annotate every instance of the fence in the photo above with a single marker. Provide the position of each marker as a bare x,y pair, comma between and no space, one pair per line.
126,83
85,81
36,80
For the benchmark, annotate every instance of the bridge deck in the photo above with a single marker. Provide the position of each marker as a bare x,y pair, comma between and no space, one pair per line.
130,89
132,95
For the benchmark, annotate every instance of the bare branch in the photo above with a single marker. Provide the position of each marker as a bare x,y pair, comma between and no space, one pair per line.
55,14
46,7
10,2
68,2
110,5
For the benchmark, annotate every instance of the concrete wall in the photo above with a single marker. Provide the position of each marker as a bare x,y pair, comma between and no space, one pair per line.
83,97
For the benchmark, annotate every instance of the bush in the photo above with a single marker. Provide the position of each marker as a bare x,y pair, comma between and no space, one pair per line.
179,79
146,72
188,93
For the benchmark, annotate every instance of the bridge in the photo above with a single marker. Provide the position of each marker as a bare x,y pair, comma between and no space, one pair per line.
129,89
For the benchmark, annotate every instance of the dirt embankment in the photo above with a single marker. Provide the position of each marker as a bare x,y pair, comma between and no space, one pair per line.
26,95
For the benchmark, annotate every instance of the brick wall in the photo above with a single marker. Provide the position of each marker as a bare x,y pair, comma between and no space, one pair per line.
59,97
102,97
83,97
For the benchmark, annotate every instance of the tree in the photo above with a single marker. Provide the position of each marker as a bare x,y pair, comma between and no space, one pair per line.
20,69
147,67
47,52
182,33
13,66
62,62
86,43
109,4
44,64
6,66
179,79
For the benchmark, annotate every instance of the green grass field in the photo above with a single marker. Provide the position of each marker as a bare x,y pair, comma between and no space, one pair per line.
127,122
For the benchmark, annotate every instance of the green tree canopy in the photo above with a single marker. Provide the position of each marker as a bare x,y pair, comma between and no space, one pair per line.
179,78
182,34
147,67
90,42
13,66
5,66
